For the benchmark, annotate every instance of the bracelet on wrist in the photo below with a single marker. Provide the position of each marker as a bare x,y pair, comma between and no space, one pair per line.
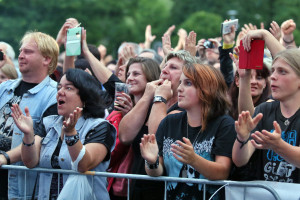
6,157
159,99
28,145
152,166
242,142
71,140
288,42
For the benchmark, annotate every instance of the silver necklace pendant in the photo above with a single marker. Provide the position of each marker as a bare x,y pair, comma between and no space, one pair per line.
287,122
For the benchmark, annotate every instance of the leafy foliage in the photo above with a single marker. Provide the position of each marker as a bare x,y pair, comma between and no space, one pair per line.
111,22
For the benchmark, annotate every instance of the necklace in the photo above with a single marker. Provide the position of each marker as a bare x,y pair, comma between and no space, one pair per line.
185,167
287,122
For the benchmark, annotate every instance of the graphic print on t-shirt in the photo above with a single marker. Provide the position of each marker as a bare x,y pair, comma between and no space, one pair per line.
6,120
185,190
276,168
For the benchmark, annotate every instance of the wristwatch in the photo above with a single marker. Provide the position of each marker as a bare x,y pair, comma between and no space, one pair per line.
159,99
71,140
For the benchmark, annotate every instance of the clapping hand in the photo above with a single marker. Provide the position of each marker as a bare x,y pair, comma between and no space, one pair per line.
149,148
69,124
24,123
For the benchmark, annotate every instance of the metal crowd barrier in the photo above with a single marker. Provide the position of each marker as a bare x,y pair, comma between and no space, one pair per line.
165,179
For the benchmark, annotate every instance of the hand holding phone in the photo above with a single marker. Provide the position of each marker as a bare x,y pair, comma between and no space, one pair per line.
73,45
226,26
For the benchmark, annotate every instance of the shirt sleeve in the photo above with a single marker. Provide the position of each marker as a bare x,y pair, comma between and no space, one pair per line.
39,129
101,134
38,126
225,138
110,85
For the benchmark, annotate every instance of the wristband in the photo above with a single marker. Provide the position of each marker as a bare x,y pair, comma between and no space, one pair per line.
288,42
227,45
152,166
6,157
28,145
242,142
71,140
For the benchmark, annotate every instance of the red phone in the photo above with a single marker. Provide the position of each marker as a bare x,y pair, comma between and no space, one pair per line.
254,58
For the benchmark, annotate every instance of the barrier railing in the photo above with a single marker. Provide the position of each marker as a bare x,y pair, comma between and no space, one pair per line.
146,177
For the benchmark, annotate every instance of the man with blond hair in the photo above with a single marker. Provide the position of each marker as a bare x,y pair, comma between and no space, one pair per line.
37,60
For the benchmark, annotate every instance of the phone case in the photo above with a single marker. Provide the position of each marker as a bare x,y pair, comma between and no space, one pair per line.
73,45
254,58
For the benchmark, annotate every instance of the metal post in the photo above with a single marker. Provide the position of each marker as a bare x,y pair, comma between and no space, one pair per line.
25,185
128,189
58,187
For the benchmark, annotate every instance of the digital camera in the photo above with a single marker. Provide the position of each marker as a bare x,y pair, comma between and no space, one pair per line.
208,44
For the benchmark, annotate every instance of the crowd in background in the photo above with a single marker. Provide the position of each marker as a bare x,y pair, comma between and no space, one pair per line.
190,112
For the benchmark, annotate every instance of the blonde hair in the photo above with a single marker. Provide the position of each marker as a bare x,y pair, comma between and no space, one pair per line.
9,71
46,45
291,57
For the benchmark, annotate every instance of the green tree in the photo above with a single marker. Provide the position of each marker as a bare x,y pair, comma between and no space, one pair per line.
205,24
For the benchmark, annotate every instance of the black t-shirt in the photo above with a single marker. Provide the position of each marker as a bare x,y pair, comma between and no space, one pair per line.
271,166
6,120
216,139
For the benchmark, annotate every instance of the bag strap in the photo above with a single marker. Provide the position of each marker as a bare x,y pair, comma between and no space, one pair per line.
78,159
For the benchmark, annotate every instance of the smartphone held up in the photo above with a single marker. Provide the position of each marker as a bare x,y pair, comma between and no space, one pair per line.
73,45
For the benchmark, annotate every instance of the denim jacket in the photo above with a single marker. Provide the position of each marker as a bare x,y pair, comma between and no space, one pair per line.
38,99
53,125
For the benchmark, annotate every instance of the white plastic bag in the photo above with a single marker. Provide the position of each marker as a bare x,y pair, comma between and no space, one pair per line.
77,187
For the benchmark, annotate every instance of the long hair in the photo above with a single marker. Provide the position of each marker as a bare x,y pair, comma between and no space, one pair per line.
149,67
234,91
211,89
90,93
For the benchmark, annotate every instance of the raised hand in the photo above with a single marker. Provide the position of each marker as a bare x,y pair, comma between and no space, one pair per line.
69,124
149,148
170,30
275,30
229,38
62,34
84,46
184,151
149,38
128,53
182,34
24,123
288,27
252,34
266,139
246,124
248,27
166,44
190,43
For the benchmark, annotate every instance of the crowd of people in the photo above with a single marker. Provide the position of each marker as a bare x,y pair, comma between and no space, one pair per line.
192,111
